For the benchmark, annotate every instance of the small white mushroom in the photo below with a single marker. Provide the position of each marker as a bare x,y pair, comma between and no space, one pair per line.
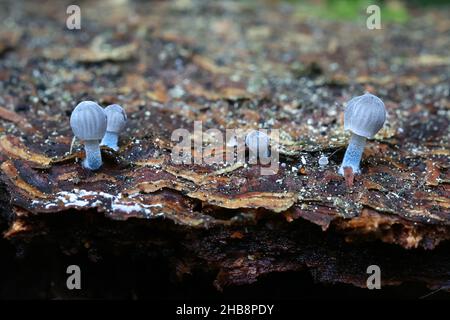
117,119
88,122
364,117
323,161
257,143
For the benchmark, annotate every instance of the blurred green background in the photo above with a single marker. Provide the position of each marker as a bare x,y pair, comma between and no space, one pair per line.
391,10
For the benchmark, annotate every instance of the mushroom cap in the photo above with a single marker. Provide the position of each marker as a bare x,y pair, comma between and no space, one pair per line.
365,115
88,121
117,118
257,139
323,161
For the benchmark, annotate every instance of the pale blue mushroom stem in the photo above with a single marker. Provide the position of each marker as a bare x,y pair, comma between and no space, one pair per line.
111,139
93,159
353,154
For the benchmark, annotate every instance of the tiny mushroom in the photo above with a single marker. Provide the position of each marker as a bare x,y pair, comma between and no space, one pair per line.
364,116
88,122
323,161
117,119
257,143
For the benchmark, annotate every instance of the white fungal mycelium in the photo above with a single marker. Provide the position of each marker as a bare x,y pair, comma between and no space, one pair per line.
83,199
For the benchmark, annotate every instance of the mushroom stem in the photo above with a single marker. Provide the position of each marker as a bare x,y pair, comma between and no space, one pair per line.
353,154
93,159
111,139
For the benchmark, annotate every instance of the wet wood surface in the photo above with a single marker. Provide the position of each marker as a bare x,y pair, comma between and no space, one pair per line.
231,65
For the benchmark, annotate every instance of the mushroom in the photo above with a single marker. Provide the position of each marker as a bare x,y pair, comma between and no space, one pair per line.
117,119
364,116
323,161
88,122
257,142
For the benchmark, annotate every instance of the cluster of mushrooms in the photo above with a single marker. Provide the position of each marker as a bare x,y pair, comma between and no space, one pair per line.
96,126
364,116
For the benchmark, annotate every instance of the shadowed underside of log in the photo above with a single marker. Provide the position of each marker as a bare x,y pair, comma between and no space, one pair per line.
242,66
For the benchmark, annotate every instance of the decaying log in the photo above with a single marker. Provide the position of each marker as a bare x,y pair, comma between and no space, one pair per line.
282,72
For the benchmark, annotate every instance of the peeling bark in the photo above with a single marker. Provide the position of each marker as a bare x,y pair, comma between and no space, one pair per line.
284,73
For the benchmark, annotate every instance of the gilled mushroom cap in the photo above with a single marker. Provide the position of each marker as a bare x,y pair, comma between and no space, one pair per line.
365,115
88,121
117,118
255,138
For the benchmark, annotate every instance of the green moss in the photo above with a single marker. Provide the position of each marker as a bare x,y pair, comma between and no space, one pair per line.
351,10
395,12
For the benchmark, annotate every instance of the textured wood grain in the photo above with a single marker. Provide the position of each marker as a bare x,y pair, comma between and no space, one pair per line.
242,66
